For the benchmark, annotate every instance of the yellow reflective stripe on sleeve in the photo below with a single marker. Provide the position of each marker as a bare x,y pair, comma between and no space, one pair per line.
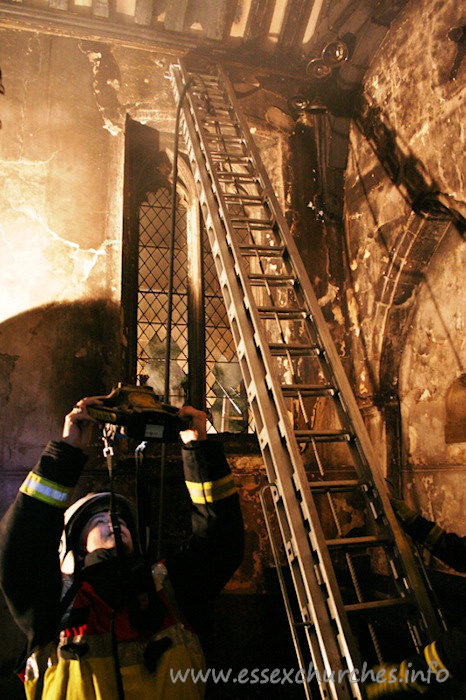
433,659
45,490
210,491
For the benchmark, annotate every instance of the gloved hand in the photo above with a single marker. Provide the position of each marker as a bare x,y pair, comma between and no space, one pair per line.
403,512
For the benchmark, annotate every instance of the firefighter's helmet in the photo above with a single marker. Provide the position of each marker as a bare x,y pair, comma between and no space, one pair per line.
80,512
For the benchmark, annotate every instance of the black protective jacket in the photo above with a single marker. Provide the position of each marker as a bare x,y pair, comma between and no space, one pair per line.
30,533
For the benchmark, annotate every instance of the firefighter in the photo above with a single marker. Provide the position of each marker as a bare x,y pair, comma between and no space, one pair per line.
444,659
114,627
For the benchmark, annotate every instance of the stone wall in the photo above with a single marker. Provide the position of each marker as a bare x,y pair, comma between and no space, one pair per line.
405,208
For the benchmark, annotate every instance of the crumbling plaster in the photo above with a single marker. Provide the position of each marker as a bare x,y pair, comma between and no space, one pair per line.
434,355
61,171
62,150
409,80
62,155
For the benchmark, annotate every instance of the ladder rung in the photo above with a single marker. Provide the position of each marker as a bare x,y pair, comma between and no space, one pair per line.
217,114
248,198
254,225
221,156
216,96
224,136
260,223
283,313
220,142
230,156
218,105
374,606
262,277
212,89
294,350
207,79
366,541
213,121
323,435
292,390
226,175
336,485
214,99
265,251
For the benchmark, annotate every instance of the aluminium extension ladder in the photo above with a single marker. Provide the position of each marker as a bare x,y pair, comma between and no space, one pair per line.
295,383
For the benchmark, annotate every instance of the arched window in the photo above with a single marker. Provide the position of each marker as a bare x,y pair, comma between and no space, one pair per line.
203,366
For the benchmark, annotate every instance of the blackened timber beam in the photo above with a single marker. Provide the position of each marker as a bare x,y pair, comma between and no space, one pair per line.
294,26
259,18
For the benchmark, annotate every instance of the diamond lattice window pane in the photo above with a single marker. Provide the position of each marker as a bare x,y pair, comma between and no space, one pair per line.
224,388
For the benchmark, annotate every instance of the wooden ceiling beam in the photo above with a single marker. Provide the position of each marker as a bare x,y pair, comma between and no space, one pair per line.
293,27
259,19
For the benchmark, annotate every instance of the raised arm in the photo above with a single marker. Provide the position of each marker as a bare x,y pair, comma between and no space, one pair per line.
31,529
201,569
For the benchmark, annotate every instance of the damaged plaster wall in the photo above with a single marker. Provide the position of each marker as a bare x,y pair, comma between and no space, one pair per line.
62,154
59,216
405,209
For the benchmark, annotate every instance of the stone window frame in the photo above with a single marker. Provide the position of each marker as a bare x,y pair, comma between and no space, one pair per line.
228,409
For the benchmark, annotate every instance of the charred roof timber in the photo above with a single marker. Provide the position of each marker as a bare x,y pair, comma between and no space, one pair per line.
274,36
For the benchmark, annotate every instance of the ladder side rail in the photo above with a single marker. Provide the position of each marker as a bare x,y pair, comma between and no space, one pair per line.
316,621
370,464
269,437
328,345
321,326
307,504
306,501
282,583
287,431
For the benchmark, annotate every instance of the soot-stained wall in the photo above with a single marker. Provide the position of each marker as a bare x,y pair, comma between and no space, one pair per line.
405,209
399,264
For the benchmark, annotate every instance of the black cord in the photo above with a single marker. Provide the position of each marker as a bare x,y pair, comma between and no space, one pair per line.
107,434
166,395
140,509
115,522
